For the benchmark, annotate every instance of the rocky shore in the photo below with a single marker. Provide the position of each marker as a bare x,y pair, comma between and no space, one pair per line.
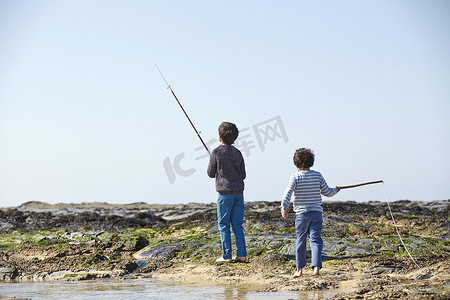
362,255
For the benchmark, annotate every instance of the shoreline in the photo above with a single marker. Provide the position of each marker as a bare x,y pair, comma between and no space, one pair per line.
361,253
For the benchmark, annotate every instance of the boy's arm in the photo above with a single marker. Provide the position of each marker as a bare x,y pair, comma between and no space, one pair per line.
212,166
244,175
326,190
287,197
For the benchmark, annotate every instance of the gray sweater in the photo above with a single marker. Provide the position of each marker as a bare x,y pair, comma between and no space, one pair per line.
226,164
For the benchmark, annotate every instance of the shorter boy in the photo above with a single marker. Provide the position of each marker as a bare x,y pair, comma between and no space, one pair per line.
307,186
226,165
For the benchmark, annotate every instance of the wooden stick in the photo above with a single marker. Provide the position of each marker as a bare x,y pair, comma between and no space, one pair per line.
360,184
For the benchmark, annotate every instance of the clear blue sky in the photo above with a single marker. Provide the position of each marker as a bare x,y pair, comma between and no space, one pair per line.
85,116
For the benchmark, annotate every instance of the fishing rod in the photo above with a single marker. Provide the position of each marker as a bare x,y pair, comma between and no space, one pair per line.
179,103
360,184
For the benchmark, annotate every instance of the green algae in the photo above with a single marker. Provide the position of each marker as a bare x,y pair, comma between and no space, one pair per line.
271,241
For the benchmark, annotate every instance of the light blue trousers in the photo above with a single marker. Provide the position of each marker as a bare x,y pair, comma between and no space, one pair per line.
309,223
230,210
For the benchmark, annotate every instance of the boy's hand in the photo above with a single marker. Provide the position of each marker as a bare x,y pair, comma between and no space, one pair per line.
284,213
338,189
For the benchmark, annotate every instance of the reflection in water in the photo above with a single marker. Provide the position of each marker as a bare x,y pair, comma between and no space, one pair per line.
143,289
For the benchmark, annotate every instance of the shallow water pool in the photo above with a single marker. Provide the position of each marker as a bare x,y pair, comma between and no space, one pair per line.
142,289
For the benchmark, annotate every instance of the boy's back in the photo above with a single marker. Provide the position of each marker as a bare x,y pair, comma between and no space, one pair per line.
226,164
307,186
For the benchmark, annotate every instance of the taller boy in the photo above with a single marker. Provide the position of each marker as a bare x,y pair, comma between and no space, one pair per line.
226,164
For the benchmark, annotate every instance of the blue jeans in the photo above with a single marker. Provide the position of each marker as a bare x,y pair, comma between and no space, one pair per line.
309,222
230,210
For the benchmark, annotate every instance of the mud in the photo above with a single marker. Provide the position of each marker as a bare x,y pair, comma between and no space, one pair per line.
362,252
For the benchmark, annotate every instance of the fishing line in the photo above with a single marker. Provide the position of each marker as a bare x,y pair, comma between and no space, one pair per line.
427,274
398,232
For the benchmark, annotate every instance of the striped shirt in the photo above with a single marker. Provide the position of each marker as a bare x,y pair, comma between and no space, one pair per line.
307,187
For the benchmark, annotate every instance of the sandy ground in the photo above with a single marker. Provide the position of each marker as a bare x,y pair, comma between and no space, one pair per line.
360,278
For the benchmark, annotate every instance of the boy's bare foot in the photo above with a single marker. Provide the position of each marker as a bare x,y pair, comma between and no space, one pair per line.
298,273
223,260
239,259
316,270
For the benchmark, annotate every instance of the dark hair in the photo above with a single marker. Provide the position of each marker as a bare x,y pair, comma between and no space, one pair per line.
304,158
228,132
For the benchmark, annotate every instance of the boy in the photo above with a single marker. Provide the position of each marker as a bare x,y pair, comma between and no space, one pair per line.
307,185
226,164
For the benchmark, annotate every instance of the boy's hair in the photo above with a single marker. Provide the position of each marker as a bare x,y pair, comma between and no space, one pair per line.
304,158
228,132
